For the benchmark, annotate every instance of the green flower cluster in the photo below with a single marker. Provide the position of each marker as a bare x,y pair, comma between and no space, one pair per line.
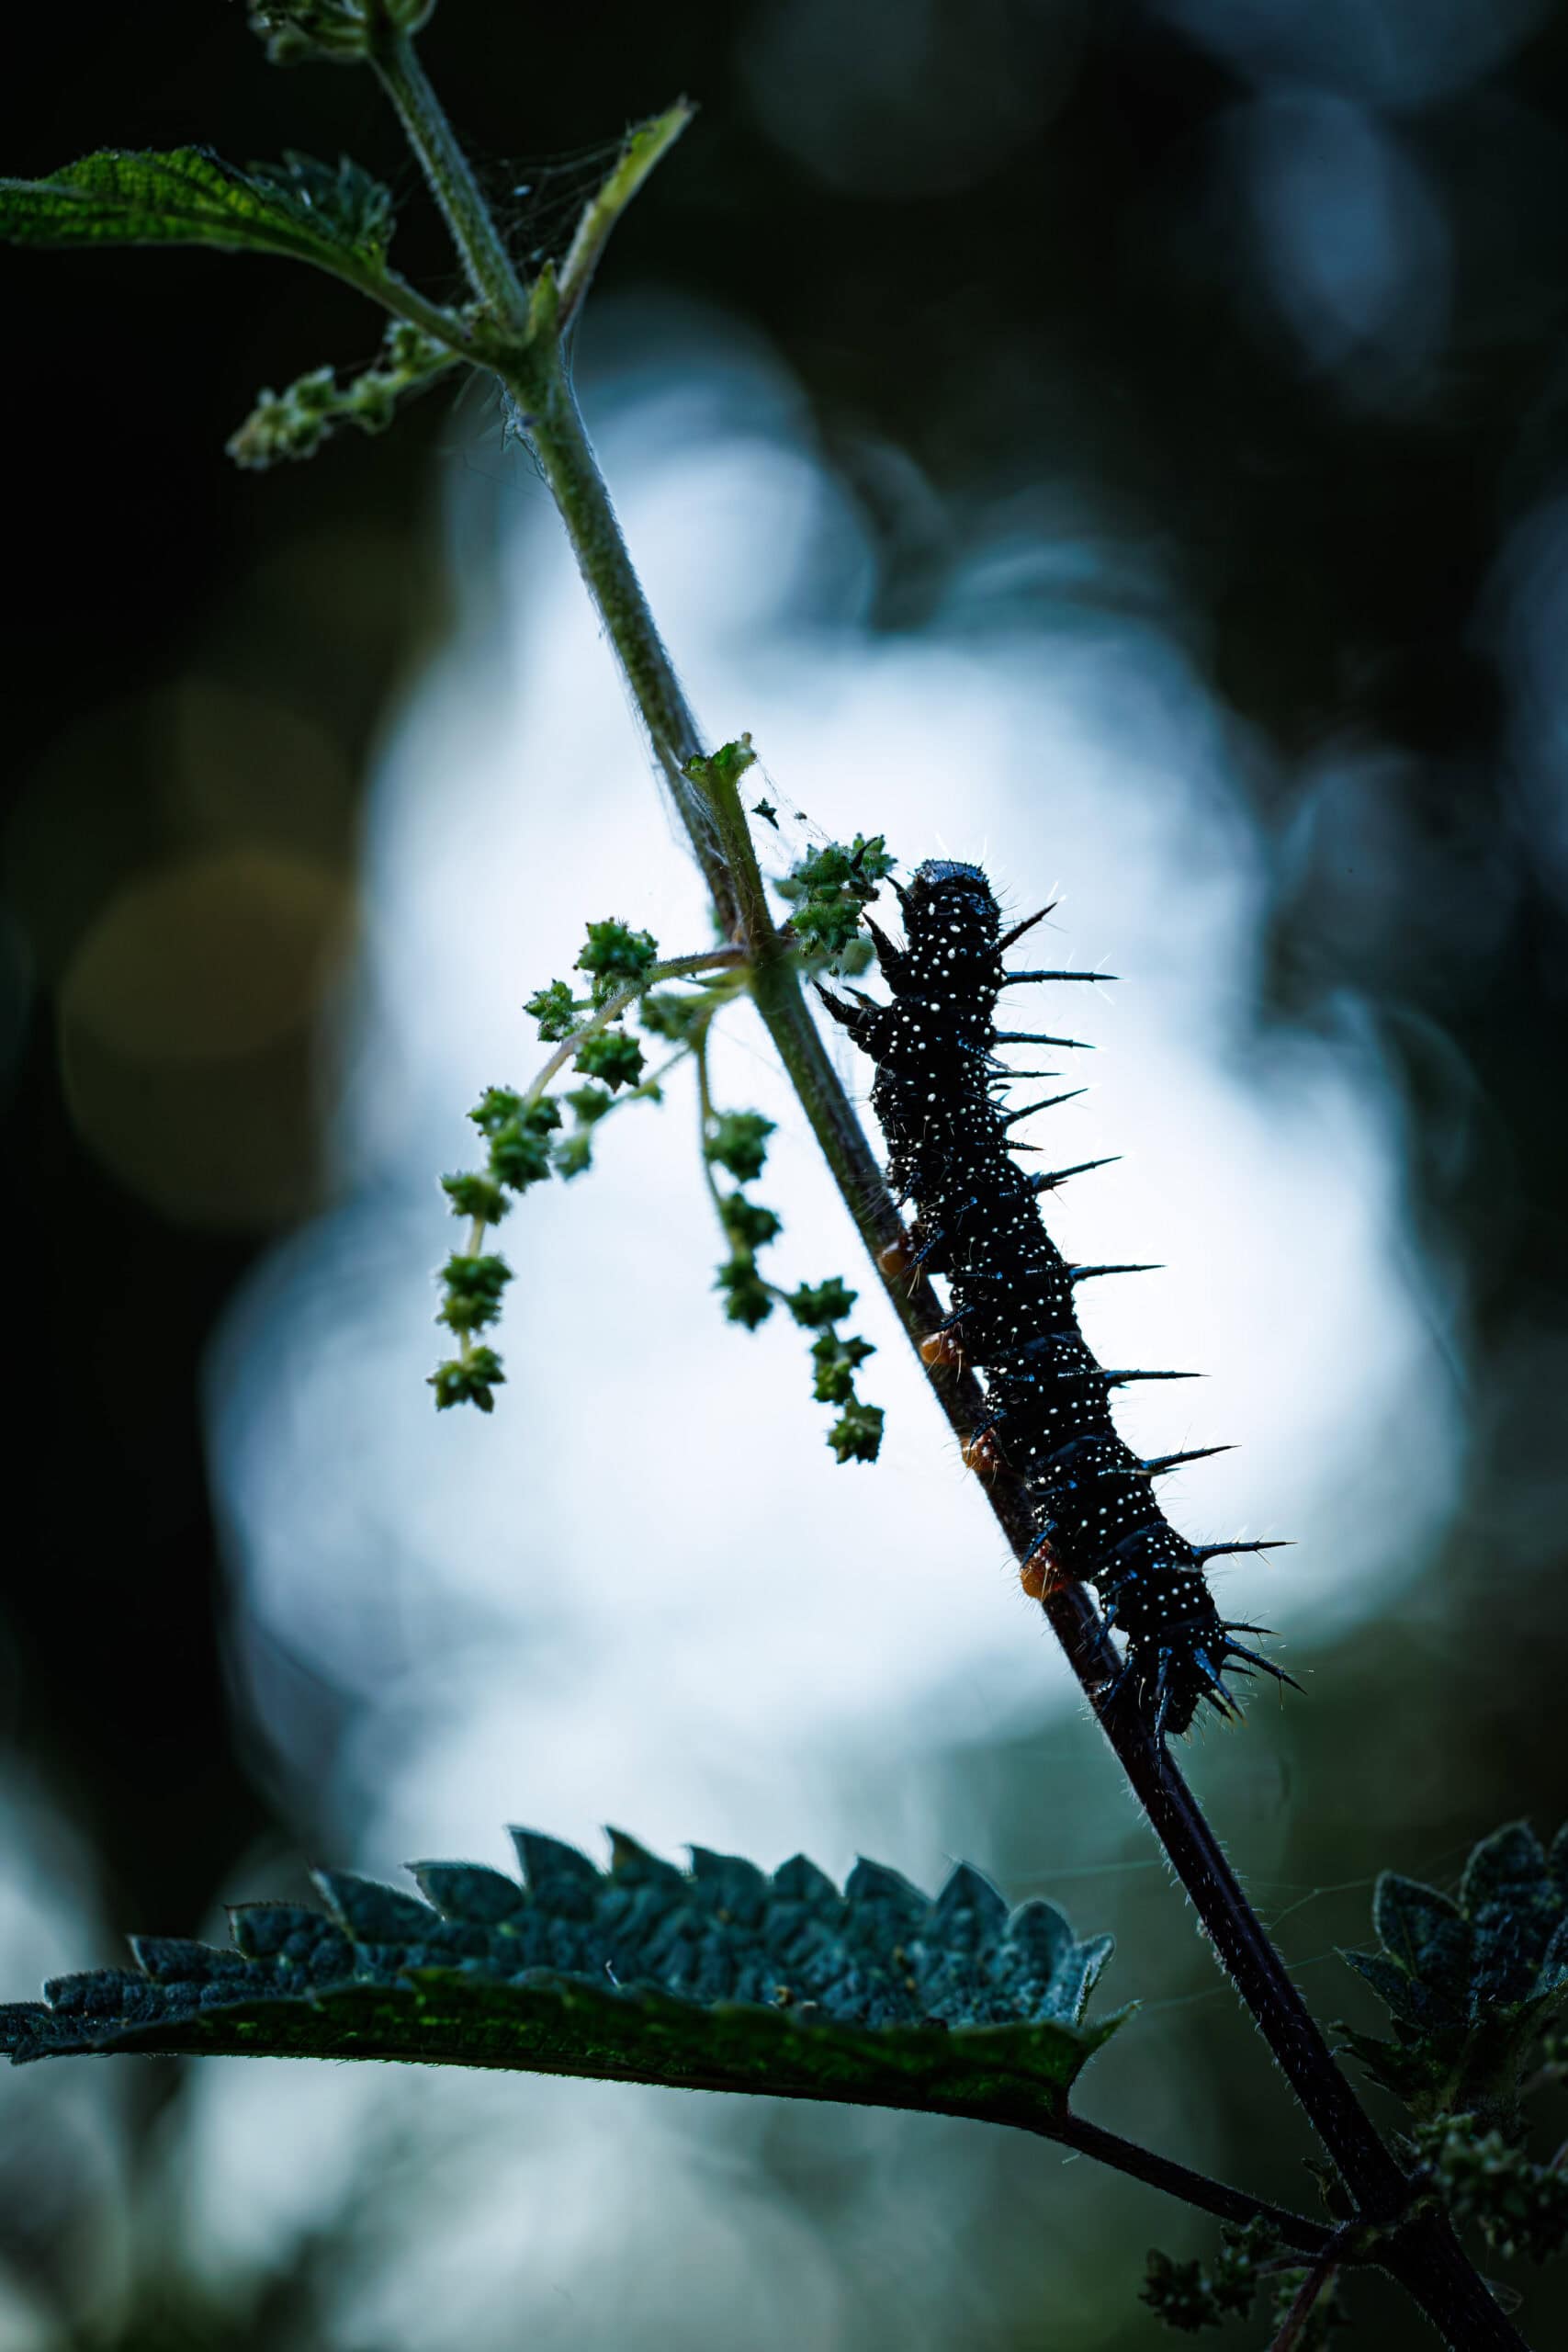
293,424
527,1142
737,1142
1485,2177
1188,2296
828,890
518,1133
616,958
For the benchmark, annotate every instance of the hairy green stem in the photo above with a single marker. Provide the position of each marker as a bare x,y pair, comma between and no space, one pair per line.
452,182
548,412
674,968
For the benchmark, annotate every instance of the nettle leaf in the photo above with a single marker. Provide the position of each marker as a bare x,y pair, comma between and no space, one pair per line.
1515,1905
1427,1935
347,203
717,1977
1473,1984
337,217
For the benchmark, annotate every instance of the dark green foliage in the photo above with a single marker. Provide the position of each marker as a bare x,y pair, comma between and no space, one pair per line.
738,1141
827,889
1472,1984
337,217
718,1978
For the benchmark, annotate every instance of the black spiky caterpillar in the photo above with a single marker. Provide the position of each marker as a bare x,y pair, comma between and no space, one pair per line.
979,1224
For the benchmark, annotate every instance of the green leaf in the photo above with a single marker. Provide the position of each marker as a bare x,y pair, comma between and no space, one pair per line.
338,219
1472,1986
1424,1933
347,203
719,1977
1395,1988
1512,1904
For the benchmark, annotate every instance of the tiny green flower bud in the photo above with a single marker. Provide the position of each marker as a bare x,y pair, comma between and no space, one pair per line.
746,1298
556,1010
612,1054
738,1142
856,1435
747,1223
828,1302
476,1196
616,954
473,1291
467,1380
520,1154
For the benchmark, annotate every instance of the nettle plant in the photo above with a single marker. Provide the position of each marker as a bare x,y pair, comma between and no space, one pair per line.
720,1976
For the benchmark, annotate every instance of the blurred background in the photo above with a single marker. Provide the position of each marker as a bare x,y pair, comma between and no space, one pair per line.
1124,444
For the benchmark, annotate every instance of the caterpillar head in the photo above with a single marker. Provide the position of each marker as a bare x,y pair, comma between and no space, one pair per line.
953,923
